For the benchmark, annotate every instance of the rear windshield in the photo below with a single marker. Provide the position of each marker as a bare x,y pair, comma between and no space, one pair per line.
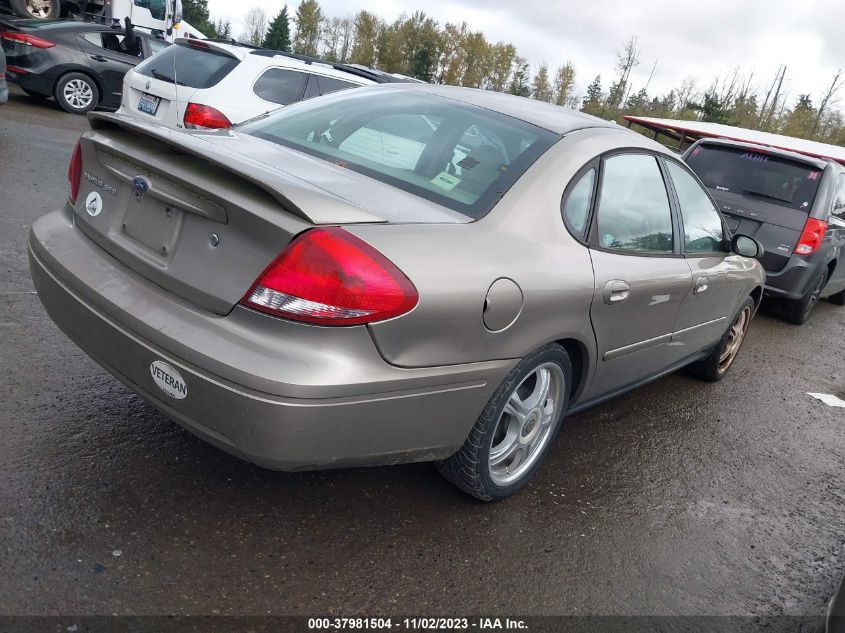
187,66
460,156
757,175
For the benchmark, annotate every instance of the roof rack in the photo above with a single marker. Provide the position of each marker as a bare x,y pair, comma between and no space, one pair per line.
366,72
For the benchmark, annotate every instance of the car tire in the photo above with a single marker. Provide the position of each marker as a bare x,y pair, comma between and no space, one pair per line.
838,298
516,428
50,11
716,365
77,93
799,310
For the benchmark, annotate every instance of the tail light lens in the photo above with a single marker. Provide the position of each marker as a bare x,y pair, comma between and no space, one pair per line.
27,40
330,277
811,237
203,117
74,173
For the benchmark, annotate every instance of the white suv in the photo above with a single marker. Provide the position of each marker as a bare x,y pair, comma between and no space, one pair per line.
206,84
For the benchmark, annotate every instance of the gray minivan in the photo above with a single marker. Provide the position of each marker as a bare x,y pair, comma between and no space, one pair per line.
793,204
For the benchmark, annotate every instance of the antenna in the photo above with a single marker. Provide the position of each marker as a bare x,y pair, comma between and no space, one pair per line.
175,79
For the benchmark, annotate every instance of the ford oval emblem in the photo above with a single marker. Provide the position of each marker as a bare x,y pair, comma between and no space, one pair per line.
140,183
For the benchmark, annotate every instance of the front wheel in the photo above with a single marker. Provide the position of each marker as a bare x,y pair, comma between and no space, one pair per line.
42,9
516,428
77,93
716,365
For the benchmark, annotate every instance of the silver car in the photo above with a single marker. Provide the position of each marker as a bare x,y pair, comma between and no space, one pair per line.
392,274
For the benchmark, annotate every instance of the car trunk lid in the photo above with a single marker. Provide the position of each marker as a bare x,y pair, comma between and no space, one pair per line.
200,219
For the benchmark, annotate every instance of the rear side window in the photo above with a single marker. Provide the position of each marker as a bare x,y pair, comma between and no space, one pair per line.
280,86
757,174
576,208
326,85
194,67
633,212
703,231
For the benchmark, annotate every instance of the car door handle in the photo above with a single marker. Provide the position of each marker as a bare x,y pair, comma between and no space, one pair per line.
616,291
99,58
701,286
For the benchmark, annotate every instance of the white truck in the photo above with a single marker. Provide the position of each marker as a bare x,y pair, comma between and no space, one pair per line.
159,15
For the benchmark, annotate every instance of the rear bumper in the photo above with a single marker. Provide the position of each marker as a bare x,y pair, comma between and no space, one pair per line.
279,394
793,281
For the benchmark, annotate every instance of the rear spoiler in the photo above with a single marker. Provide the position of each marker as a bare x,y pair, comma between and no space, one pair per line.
209,45
297,196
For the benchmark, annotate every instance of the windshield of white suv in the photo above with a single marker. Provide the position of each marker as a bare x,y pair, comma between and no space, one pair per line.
457,155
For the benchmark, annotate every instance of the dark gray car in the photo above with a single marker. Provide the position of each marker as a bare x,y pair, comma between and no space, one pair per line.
389,274
793,204
4,89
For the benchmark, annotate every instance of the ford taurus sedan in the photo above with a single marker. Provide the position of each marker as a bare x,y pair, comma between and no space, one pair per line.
392,274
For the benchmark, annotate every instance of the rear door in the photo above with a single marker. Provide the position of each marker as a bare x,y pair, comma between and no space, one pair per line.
111,59
761,194
641,277
707,310
836,229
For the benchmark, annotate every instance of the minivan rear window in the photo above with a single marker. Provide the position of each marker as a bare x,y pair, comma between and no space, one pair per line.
188,66
457,155
758,175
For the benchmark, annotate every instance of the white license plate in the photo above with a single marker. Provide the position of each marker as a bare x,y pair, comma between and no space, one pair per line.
148,103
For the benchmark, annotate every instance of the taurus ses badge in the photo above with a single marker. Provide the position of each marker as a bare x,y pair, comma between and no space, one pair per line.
141,186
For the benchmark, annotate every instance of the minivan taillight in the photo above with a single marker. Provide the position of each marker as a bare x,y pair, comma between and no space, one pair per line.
330,277
203,117
27,40
811,237
74,173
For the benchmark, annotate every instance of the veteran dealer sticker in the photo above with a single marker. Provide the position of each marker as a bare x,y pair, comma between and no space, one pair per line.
168,380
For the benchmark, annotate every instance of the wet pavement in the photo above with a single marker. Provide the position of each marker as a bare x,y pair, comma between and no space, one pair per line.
679,498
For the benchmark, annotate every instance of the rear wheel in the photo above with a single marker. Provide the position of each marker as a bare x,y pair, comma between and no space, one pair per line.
799,310
77,93
514,432
716,366
44,9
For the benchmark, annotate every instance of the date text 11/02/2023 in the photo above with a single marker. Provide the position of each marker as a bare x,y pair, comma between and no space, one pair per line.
415,624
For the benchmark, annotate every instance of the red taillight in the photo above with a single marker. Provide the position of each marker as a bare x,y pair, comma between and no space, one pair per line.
203,117
330,277
27,40
811,237
74,173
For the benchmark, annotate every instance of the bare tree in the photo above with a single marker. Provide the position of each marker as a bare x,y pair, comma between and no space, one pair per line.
255,25
829,98
626,60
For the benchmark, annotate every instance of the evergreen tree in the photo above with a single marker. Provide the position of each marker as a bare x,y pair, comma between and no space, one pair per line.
309,23
521,75
278,37
223,29
366,29
195,13
592,103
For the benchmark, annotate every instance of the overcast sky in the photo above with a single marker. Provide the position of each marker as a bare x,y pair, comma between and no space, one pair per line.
687,38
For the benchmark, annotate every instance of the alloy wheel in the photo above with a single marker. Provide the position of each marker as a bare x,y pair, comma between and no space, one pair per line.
526,423
735,337
78,94
39,8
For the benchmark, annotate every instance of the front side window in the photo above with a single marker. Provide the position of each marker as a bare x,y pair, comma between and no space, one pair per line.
457,155
157,8
633,212
281,86
839,197
576,208
703,231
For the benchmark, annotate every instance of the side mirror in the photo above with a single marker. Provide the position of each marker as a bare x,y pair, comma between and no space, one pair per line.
177,12
747,246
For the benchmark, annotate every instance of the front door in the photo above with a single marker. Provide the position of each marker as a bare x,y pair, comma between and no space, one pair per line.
641,279
717,279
